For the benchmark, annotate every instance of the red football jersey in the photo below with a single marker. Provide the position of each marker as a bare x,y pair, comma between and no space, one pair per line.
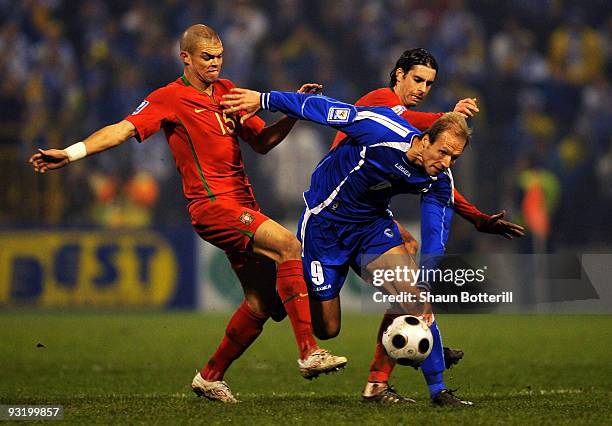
203,139
422,121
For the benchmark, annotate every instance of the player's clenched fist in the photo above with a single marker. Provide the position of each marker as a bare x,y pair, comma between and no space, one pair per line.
49,159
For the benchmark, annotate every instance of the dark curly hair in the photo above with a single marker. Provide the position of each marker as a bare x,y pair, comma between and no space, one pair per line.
410,58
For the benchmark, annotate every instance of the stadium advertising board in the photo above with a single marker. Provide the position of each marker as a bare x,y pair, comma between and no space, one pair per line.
97,268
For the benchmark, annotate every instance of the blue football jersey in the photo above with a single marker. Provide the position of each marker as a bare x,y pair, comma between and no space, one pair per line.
355,181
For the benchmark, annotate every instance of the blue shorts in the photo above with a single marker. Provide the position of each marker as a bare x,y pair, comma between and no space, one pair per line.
329,248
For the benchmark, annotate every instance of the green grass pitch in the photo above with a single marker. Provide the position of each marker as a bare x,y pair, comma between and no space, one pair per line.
118,368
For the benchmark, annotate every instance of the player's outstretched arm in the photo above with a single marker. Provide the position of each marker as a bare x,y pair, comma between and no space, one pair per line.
301,106
467,107
490,224
105,138
248,101
274,134
467,210
366,127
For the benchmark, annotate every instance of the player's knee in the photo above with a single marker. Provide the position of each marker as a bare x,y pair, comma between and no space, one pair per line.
290,248
326,334
258,306
326,331
412,247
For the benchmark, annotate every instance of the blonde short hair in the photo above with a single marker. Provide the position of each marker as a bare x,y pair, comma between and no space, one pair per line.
451,121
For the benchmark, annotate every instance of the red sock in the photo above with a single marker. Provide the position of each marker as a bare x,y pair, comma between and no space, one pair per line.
382,364
292,290
242,330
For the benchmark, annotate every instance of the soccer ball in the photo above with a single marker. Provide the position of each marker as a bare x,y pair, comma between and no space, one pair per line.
408,340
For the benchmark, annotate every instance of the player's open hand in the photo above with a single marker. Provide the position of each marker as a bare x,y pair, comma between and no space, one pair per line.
49,159
495,224
244,100
311,88
467,107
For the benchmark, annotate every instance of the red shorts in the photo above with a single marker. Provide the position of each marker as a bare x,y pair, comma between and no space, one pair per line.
227,224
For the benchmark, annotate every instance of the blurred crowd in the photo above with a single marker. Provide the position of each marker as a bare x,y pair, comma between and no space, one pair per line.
539,70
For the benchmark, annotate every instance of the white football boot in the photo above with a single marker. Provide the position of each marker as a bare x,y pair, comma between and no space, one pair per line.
319,362
215,391
383,393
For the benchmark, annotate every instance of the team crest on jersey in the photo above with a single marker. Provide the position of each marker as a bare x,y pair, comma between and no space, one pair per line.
338,115
142,106
246,218
399,109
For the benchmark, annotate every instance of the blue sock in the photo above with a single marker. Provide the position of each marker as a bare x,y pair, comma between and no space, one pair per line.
433,366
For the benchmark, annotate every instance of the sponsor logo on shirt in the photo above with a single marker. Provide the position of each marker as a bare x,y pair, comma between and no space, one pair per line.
338,115
142,106
325,287
388,232
402,169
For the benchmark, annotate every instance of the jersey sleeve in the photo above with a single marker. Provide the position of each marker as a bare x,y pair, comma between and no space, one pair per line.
421,120
251,128
467,210
365,125
151,114
436,218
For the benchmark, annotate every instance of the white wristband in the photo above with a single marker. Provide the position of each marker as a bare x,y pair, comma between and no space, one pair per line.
76,151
